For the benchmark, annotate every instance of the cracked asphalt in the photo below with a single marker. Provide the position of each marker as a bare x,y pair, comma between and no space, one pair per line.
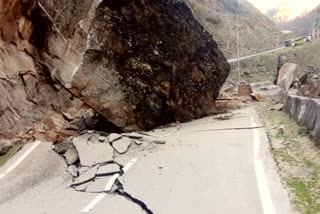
206,166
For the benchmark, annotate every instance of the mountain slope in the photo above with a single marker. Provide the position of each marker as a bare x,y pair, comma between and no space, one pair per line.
256,32
301,25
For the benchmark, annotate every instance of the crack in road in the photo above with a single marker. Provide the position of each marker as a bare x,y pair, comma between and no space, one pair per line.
120,191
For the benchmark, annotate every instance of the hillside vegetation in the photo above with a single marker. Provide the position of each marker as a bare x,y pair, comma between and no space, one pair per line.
264,67
256,32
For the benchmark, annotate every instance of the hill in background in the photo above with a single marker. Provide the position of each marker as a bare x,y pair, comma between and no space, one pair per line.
264,67
301,25
257,32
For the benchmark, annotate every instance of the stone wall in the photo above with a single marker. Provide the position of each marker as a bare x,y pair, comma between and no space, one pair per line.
306,111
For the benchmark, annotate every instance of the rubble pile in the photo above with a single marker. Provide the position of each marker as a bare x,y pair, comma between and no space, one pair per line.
96,159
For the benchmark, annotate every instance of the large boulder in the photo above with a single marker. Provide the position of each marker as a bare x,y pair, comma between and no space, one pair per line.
142,64
139,63
287,75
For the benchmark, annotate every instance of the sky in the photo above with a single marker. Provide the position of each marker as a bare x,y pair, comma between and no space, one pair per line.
297,6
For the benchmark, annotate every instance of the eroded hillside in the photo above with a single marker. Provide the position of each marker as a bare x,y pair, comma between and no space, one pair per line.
256,31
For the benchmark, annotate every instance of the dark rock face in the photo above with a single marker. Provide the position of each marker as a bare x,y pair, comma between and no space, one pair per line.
148,63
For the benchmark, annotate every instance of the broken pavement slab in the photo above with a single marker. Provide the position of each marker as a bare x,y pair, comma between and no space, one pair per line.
98,185
71,156
92,153
86,176
122,145
108,169
113,137
73,170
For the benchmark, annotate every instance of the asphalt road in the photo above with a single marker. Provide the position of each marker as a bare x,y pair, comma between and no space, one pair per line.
207,166
254,55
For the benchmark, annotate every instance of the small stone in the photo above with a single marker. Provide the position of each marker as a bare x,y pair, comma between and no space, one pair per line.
113,137
108,169
224,116
102,139
132,135
71,156
280,130
278,107
5,148
90,132
73,170
138,142
62,148
86,176
122,145
159,141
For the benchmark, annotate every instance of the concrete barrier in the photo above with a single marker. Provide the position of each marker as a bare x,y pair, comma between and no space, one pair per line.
306,111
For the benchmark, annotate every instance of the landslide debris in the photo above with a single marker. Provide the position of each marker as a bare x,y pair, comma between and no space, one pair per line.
108,65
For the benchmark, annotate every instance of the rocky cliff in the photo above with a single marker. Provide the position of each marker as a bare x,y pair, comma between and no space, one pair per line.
138,63
27,90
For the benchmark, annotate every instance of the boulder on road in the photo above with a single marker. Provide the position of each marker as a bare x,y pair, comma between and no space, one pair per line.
144,64
287,75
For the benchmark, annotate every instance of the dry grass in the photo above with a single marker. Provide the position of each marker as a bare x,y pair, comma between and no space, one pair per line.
298,159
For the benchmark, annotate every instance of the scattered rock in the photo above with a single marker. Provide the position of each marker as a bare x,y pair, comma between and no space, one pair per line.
122,145
73,170
280,130
244,90
92,153
138,142
278,107
159,142
258,97
62,147
71,156
102,139
223,117
86,176
5,148
108,169
113,137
